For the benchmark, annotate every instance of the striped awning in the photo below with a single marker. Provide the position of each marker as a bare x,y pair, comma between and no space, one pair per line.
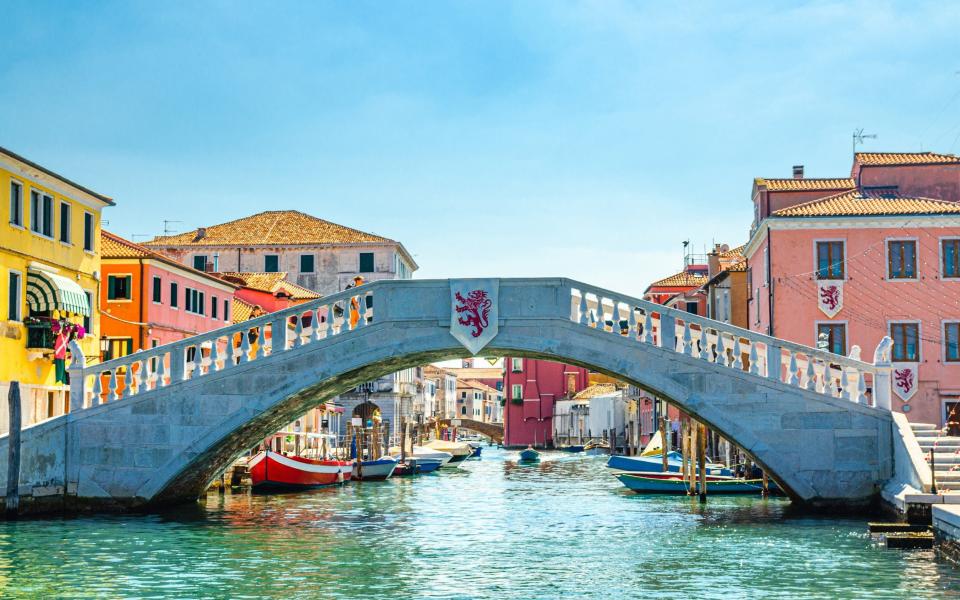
49,291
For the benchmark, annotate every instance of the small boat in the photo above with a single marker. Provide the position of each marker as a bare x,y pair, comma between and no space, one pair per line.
272,471
596,448
409,467
421,452
529,455
416,466
676,485
459,451
428,465
374,470
577,448
477,448
651,461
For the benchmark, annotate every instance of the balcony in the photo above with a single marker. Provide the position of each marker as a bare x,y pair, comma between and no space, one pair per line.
40,336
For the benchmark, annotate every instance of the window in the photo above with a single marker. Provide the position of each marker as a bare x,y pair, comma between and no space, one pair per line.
65,222
174,298
157,290
516,391
194,301
16,204
271,263
902,259
463,395
200,262
463,410
366,262
951,342
117,348
830,260
692,308
226,310
14,294
835,334
906,337
187,299
201,304
119,287
213,307
516,364
87,319
41,213
950,251
88,232
306,263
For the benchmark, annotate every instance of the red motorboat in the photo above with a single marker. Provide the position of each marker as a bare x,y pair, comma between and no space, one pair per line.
272,471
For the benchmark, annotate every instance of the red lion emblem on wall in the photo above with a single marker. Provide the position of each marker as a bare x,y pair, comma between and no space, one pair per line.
476,307
903,379
830,296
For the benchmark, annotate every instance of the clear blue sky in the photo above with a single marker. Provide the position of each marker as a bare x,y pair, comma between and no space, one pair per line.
526,138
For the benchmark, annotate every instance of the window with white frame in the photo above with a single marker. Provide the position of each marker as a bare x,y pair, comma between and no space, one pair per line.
516,391
830,260
41,213
950,258
516,364
902,259
951,342
906,341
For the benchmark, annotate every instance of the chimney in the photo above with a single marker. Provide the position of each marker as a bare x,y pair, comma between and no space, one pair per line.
202,233
798,171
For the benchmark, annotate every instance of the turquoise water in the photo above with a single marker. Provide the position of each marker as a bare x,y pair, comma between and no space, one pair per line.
564,528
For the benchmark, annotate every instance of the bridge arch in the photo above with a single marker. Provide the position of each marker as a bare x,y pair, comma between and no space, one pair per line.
494,431
175,438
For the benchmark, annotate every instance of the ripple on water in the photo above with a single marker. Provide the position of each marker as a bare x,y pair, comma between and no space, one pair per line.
563,528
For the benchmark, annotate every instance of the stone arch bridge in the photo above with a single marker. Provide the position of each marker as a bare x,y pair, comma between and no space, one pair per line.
494,431
154,428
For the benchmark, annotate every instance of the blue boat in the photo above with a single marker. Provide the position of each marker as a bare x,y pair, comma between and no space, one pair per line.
529,455
374,470
676,485
572,449
654,464
428,465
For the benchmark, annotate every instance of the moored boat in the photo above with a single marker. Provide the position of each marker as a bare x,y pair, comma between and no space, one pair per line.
272,471
374,470
576,448
459,451
595,448
676,485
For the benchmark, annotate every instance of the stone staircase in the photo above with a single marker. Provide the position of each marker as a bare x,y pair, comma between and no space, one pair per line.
946,454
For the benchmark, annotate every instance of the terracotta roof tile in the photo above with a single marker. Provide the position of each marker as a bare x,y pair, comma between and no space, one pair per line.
681,279
857,203
270,227
272,283
477,385
738,267
113,246
597,389
805,184
242,310
733,252
904,158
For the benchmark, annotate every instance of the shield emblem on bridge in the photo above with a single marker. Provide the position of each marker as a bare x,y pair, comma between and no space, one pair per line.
830,296
905,380
473,312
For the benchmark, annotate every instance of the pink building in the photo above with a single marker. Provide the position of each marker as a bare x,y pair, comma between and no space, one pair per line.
531,388
852,267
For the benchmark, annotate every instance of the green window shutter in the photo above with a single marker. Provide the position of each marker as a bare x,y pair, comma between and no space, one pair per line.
366,262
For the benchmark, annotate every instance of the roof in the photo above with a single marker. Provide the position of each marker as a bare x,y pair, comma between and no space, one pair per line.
30,163
733,252
477,372
859,203
242,310
272,283
804,184
112,246
884,159
477,385
435,371
271,227
737,267
597,389
681,279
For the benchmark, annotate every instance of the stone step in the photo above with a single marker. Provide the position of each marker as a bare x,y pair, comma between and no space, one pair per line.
944,458
948,485
922,426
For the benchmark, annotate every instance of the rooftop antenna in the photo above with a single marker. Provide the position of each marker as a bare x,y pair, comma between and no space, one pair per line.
859,136
686,254
167,230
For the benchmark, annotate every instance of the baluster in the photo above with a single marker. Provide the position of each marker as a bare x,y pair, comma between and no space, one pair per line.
214,355
793,379
845,383
647,327
112,396
584,318
754,359
298,332
262,340
737,354
245,347
721,350
319,328
600,324
822,385
862,388
632,322
705,353
128,381
233,350
687,339
810,383
774,358
97,390
345,322
616,317
140,377
197,361
329,328
363,311
835,388
161,372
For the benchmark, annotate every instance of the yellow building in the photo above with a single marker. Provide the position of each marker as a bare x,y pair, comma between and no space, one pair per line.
49,270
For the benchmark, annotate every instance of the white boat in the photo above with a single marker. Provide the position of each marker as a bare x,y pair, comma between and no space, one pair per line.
459,451
428,453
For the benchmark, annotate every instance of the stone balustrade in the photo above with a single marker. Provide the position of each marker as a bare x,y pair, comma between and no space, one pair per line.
217,350
730,346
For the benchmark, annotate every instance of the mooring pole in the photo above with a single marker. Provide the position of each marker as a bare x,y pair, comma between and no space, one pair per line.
933,470
702,459
13,452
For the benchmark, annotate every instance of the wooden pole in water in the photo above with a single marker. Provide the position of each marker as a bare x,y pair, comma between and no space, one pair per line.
694,443
702,459
13,452
664,441
766,485
684,467
403,439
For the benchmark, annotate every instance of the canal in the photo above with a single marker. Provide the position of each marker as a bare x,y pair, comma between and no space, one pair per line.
493,529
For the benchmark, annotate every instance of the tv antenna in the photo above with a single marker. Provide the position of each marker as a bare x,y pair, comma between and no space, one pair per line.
167,230
859,136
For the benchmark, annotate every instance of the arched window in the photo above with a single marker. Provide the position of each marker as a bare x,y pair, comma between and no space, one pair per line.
463,410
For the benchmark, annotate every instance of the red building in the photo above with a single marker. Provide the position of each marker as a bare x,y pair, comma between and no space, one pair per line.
531,388
681,290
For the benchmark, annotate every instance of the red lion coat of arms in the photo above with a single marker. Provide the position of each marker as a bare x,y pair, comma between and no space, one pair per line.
475,310
830,296
903,378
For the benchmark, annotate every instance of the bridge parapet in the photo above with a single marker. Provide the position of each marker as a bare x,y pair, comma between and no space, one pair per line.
734,347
